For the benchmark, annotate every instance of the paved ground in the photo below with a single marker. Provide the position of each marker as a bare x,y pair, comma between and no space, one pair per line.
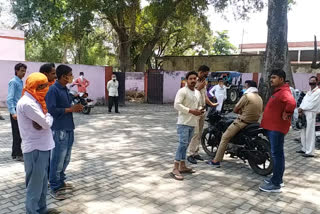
120,164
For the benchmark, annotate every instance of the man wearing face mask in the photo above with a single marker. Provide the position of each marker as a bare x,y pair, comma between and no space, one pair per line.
310,106
112,87
59,106
201,85
220,93
82,83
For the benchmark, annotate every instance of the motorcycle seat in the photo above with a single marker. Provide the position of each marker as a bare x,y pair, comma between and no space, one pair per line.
252,126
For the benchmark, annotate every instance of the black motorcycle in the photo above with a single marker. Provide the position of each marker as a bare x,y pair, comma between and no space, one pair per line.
82,98
249,144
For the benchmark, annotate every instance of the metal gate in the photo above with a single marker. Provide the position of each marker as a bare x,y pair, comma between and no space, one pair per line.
155,87
121,77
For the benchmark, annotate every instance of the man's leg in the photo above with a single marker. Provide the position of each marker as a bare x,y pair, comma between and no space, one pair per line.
70,136
58,156
183,135
277,141
303,139
310,133
116,104
110,103
36,163
231,131
16,144
195,141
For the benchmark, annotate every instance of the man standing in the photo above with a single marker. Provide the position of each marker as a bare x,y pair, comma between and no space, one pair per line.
59,106
187,102
276,121
201,84
220,93
310,106
37,141
112,87
82,83
249,109
14,94
50,71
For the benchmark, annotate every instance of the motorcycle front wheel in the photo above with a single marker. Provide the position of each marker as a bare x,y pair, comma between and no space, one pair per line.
209,142
260,159
86,110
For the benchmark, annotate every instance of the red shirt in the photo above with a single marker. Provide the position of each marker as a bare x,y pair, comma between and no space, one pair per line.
280,101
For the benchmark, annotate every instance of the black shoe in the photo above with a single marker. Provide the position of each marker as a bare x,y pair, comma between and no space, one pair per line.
192,160
14,157
117,112
198,157
308,156
20,159
1,118
300,152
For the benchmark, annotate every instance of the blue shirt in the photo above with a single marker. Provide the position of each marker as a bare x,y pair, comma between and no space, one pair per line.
14,93
57,100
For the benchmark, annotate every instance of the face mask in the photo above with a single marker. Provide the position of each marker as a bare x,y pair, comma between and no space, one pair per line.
43,92
312,83
114,78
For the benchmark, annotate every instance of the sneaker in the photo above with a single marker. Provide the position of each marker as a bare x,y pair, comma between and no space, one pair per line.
268,181
67,186
192,160
1,118
308,156
215,165
19,158
198,157
300,152
270,188
58,195
52,211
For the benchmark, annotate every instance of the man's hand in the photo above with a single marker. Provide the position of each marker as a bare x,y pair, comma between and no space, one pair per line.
201,85
196,112
14,116
36,125
214,104
286,116
77,108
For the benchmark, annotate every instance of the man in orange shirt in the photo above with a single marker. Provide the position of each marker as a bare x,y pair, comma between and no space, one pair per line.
82,83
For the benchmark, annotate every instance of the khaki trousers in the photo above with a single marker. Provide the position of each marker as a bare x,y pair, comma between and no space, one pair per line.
231,131
195,141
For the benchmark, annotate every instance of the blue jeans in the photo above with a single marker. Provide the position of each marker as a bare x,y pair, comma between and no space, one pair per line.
185,134
36,165
277,141
60,158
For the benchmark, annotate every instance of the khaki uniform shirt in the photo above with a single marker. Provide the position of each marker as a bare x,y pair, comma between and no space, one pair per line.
203,93
251,106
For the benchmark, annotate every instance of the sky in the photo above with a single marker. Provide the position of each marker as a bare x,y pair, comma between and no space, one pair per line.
304,23
300,20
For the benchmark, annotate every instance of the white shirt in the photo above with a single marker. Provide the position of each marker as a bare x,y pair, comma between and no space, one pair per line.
219,91
185,100
28,110
311,101
112,87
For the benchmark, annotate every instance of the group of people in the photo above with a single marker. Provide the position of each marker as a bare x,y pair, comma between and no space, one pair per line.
276,120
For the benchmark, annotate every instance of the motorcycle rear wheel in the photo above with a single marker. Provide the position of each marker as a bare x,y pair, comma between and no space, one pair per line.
261,161
209,142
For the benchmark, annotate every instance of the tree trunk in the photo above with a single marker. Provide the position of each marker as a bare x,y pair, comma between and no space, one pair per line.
145,55
276,56
124,54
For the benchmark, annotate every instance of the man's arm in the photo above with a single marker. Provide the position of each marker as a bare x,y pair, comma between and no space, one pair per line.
225,93
290,105
87,83
241,103
308,106
178,105
10,98
212,91
35,114
208,101
108,85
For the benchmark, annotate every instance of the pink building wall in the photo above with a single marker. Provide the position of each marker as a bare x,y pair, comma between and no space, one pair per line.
171,84
95,74
135,81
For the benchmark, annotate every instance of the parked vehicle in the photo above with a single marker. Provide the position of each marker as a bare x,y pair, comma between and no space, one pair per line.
83,99
232,80
249,144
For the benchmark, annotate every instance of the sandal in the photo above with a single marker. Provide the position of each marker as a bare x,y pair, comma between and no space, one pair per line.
176,176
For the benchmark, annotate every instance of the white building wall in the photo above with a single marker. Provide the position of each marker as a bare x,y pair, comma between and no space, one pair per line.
12,45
